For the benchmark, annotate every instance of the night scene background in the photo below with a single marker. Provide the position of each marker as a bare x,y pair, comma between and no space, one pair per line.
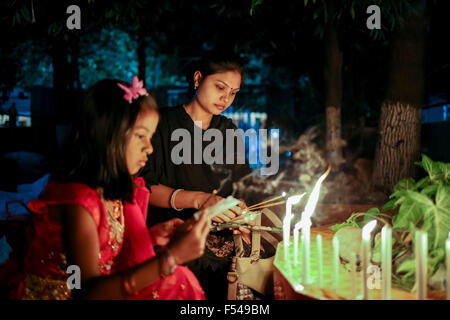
369,102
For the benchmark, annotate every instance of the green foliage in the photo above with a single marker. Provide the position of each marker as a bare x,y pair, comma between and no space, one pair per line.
424,205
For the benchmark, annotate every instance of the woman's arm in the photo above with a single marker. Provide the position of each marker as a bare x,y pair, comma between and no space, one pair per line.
161,195
81,240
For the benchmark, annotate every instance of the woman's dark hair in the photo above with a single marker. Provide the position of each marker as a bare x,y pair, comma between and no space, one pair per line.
212,62
95,152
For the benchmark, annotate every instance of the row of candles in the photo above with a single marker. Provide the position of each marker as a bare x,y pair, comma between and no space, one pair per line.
421,250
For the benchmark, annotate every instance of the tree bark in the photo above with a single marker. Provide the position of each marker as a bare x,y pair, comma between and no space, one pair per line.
333,93
398,143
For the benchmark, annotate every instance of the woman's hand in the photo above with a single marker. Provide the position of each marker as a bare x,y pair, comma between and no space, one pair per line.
162,232
231,213
188,241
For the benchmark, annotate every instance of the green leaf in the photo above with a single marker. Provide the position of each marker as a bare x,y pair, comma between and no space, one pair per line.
421,199
405,184
422,183
430,190
409,212
435,258
390,205
433,169
408,267
438,216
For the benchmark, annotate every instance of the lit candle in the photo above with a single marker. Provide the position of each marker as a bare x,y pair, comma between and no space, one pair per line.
305,254
319,260
296,232
305,225
336,263
386,261
353,275
287,221
366,231
421,252
447,254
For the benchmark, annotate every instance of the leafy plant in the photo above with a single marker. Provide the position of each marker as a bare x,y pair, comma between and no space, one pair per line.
424,205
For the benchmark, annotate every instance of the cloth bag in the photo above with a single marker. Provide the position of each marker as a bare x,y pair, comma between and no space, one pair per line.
253,272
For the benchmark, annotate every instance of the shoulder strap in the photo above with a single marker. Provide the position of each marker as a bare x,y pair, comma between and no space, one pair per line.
272,217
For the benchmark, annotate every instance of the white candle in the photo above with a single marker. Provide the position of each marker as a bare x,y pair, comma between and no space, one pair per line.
296,232
447,258
319,260
386,261
305,225
421,252
287,221
336,263
365,248
305,254
353,275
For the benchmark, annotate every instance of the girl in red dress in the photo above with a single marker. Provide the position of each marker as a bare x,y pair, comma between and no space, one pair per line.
90,221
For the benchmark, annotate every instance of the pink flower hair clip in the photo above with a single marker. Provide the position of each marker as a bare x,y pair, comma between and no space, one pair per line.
137,89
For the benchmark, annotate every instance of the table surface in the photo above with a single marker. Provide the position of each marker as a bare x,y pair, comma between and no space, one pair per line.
292,275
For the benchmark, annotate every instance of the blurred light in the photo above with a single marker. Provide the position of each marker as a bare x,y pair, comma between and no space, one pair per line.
274,134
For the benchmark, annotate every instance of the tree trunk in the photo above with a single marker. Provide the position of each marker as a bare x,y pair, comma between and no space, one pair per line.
398,143
333,93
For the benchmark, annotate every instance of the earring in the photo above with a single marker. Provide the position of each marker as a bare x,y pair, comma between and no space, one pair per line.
195,87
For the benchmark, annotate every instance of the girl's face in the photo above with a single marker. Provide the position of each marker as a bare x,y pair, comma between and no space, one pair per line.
139,145
216,92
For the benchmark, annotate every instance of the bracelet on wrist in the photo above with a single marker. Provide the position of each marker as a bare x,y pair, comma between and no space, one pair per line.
172,200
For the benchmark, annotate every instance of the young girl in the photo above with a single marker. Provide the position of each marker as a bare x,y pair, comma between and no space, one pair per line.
92,214
214,82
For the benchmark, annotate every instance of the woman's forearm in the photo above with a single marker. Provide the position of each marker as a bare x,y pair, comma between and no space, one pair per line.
161,195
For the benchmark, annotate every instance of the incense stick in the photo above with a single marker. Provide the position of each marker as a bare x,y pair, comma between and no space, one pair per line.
269,205
213,193
270,200
220,226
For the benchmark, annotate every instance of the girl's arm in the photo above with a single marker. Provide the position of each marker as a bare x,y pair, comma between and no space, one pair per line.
81,241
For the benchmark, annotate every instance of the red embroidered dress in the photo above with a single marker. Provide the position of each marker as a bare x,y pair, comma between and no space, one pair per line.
124,242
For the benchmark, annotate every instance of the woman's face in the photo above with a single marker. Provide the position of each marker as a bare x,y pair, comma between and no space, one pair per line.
216,92
139,144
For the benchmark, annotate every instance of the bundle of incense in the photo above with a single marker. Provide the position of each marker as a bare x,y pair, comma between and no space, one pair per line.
220,226
218,208
258,207
267,201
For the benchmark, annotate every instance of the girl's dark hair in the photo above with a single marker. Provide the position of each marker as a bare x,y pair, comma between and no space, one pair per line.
212,62
95,152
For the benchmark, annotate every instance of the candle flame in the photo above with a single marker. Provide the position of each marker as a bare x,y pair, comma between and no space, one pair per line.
289,203
312,201
368,228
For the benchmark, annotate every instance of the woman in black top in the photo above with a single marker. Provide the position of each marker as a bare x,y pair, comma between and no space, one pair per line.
186,179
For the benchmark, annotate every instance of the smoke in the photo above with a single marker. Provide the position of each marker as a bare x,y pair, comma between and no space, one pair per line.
300,173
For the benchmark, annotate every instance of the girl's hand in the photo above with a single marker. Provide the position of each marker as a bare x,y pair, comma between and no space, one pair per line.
162,232
188,241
